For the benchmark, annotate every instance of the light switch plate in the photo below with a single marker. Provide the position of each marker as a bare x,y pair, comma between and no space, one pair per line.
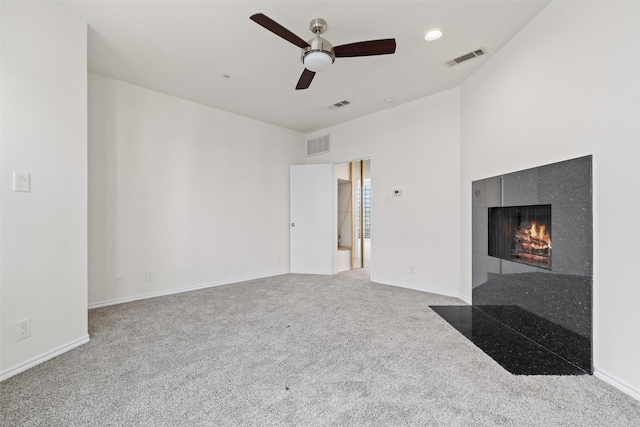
21,182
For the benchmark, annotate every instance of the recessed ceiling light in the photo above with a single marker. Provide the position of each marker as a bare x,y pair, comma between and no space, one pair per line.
389,100
433,35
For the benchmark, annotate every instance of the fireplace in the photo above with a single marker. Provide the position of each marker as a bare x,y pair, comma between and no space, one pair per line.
521,234
532,269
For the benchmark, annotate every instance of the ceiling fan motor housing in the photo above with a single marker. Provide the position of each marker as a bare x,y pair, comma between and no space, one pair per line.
315,57
318,44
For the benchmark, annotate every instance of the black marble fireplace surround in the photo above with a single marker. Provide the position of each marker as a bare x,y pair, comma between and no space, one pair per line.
534,318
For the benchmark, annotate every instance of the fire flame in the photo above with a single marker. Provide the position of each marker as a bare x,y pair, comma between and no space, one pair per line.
535,237
540,234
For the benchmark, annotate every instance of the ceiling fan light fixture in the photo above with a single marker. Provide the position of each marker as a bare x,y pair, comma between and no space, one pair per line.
317,61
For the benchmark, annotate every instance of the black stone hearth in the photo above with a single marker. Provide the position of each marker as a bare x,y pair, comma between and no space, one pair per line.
532,307
514,351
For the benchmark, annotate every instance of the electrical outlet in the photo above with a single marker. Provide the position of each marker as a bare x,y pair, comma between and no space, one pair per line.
120,279
21,182
149,276
412,269
22,329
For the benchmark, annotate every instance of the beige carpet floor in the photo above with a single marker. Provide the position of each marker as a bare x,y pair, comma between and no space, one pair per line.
295,350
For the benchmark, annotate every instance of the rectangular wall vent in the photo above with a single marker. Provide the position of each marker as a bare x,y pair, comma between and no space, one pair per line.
338,105
466,57
319,145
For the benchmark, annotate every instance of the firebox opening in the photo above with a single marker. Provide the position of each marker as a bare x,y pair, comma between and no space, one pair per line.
521,234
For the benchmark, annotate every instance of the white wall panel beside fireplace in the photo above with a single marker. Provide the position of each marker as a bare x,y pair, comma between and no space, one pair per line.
560,90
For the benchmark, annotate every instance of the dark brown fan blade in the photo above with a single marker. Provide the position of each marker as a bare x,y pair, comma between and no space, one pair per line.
305,79
275,28
368,48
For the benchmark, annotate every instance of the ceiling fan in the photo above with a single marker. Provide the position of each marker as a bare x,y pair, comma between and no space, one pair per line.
318,54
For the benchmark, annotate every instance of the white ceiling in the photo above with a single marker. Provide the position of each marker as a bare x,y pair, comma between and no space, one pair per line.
183,48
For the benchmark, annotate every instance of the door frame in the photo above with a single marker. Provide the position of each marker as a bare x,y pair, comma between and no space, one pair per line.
335,164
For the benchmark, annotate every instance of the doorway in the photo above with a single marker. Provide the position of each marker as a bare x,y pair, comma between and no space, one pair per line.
354,215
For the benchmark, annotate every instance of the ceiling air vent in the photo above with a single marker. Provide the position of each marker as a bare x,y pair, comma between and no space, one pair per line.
466,57
338,105
319,145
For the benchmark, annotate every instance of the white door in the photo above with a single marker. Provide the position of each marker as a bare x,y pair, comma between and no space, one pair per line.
311,219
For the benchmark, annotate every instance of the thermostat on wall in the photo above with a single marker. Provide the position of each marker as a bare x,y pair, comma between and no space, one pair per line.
397,192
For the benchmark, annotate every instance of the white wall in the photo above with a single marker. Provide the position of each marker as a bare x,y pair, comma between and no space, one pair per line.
415,148
196,195
567,86
44,133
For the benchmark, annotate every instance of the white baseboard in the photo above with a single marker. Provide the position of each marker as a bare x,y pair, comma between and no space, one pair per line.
617,383
43,358
429,290
178,291
465,299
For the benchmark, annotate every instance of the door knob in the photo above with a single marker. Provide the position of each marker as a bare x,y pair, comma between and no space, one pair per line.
293,224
